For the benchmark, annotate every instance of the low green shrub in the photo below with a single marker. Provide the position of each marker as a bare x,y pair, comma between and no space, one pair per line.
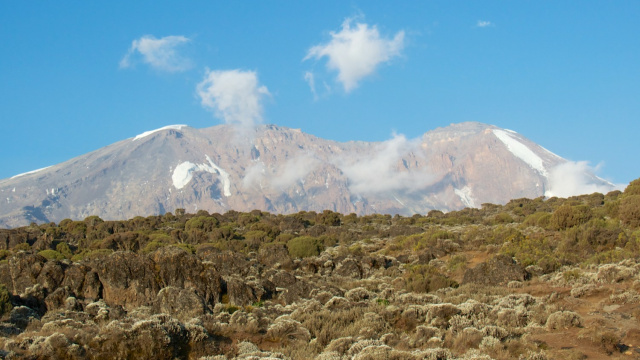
51,254
5,300
304,246
426,278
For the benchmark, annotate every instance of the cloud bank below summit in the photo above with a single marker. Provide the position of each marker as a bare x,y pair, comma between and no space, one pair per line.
574,178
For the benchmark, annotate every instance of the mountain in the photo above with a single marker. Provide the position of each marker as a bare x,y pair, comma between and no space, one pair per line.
284,170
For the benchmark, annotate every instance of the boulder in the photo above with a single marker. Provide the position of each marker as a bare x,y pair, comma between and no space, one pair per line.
83,282
273,254
349,267
24,269
128,279
178,268
183,304
51,275
239,292
498,270
228,263
21,316
57,298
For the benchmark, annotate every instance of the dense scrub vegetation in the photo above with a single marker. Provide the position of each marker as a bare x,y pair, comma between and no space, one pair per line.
492,282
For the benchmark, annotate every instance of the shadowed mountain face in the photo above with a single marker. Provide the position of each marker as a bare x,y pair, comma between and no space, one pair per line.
284,170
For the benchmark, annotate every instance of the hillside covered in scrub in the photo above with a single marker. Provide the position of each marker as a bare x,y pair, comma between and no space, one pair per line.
533,279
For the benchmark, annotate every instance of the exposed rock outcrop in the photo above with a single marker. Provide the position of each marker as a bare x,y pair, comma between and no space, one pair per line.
497,271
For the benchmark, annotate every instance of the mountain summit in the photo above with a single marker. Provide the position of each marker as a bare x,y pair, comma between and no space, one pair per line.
284,170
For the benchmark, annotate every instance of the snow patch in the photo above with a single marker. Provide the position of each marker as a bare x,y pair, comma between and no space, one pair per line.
521,151
398,200
30,172
169,127
183,174
465,196
226,182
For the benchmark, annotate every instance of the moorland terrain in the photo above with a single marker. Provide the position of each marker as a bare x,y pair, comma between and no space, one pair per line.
532,279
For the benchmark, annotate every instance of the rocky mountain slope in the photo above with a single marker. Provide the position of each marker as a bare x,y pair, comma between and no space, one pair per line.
283,170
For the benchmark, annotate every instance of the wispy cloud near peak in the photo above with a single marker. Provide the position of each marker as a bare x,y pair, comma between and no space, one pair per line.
160,54
234,96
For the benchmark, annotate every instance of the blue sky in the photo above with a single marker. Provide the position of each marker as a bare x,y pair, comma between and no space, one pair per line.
72,79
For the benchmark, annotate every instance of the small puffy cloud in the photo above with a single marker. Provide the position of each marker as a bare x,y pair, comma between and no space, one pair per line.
160,53
355,52
576,178
384,170
234,96
483,23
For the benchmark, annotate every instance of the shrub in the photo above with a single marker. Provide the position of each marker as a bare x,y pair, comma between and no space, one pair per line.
563,320
5,300
567,216
204,223
538,219
63,248
629,211
304,246
633,188
457,262
22,247
153,246
187,247
51,254
426,278
90,255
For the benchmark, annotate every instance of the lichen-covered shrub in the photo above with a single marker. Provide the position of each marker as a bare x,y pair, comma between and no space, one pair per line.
564,320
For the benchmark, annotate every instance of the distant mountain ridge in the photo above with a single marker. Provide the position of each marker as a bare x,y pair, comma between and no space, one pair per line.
284,170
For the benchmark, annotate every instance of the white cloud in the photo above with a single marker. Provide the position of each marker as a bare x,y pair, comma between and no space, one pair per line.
384,170
576,178
234,96
310,79
483,23
254,175
160,53
355,52
293,170
283,176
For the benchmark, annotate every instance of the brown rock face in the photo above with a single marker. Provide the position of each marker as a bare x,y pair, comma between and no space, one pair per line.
239,292
183,304
122,279
177,268
496,271
128,279
133,280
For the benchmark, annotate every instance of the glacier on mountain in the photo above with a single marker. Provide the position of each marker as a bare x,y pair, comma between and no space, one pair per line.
183,173
30,172
169,127
521,151
465,196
